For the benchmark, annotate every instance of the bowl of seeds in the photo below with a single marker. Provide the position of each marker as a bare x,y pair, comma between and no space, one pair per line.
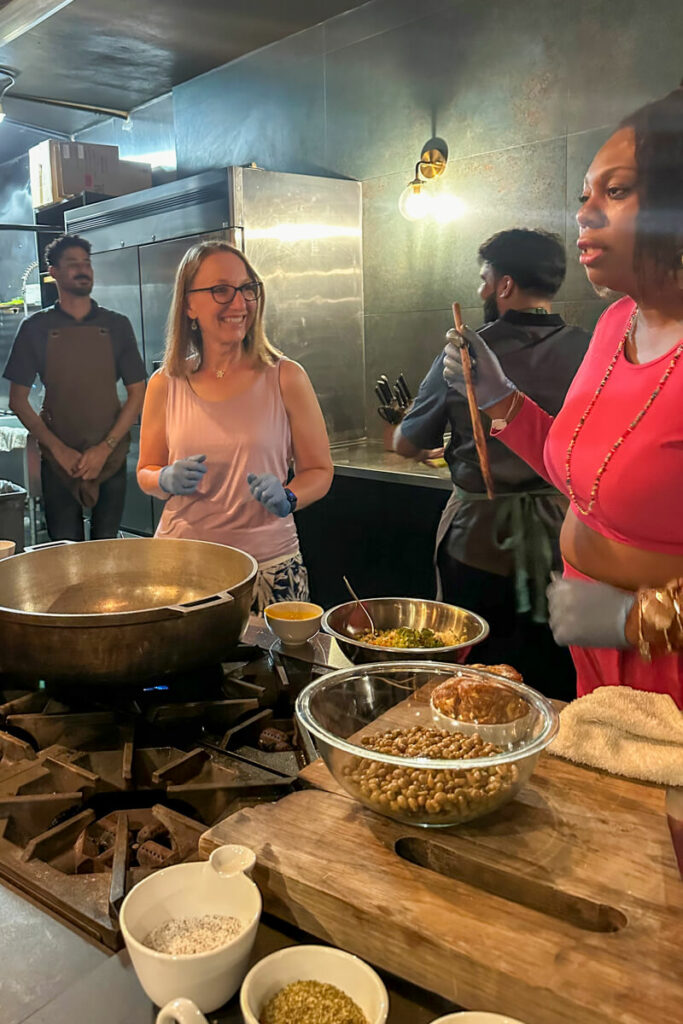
374,726
313,985
190,929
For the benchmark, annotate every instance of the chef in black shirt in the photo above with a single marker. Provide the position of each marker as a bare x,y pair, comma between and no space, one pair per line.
495,557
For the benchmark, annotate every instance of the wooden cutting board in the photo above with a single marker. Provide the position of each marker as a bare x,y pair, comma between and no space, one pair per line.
564,907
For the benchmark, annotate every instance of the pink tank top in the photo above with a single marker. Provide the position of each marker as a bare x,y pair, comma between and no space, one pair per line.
246,434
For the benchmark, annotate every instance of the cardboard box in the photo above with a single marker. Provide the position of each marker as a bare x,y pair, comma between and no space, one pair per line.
62,169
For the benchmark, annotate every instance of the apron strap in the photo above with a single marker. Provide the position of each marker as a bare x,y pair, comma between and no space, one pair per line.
529,536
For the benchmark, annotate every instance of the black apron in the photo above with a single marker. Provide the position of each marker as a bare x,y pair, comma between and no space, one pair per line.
81,405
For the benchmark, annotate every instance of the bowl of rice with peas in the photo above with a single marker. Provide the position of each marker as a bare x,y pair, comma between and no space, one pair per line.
405,627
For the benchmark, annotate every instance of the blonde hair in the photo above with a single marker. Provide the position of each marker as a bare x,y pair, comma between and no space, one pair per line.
182,343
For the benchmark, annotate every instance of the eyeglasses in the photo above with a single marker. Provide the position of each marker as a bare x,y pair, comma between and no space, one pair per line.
223,294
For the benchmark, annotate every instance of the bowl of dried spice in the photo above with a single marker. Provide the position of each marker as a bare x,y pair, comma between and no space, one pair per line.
313,985
190,928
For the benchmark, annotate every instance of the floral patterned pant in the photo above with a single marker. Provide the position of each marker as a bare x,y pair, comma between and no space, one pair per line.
284,579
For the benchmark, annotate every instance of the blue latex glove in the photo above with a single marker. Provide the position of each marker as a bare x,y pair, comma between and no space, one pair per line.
270,492
183,475
587,614
490,383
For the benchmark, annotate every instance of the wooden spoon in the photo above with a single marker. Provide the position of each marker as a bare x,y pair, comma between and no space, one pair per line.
475,417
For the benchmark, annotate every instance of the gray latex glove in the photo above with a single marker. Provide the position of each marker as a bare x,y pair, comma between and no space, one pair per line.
585,614
183,475
490,383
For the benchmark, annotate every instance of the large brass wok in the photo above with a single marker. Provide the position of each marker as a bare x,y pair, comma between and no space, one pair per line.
121,610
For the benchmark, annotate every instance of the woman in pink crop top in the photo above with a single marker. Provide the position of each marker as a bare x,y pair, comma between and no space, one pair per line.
225,418
616,446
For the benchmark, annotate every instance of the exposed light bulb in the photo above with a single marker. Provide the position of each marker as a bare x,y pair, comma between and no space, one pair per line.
415,203
2,112
447,207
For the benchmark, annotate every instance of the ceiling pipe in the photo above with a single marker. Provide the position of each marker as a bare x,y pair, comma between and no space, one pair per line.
106,111
10,75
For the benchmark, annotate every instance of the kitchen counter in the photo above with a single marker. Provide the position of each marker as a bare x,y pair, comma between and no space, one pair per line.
368,459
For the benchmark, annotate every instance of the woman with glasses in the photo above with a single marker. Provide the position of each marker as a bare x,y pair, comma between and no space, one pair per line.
223,420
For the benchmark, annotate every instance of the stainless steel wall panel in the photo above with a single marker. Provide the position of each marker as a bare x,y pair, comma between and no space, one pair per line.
303,235
17,251
158,265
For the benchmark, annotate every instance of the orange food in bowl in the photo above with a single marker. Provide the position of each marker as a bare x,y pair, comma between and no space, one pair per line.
468,697
293,613
293,622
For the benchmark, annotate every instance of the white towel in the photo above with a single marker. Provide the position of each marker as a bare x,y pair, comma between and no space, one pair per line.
625,732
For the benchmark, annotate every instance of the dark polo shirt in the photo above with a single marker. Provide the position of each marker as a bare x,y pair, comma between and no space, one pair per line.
27,357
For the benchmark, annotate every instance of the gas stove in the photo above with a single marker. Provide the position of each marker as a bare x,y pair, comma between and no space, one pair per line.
101,786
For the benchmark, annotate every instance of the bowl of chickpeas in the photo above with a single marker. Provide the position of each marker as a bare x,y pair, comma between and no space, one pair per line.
374,726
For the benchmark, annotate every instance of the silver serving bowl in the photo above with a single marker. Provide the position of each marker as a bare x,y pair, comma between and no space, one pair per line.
412,612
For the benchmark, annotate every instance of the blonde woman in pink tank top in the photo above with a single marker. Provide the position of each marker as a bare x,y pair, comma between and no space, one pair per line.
225,420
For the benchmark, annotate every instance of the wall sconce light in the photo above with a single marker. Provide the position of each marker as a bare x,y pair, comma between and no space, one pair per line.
415,202
419,199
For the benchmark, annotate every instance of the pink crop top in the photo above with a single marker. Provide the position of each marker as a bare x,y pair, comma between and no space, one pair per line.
641,491
246,434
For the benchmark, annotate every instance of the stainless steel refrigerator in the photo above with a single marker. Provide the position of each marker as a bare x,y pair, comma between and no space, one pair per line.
303,235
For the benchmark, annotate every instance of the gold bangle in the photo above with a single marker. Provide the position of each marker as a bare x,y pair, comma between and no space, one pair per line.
660,626
644,648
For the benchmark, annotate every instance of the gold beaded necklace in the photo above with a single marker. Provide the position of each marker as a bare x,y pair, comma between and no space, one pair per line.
629,430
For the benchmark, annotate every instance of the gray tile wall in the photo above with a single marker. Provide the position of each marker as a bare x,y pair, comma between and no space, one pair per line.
524,94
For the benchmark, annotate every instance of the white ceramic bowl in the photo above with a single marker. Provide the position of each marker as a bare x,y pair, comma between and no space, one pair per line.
294,632
503,734
314,963
182,891
476,1017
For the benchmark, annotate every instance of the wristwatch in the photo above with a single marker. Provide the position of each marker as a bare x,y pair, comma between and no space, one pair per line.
291,498
112,442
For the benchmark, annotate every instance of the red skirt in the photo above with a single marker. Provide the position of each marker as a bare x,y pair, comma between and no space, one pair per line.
605,666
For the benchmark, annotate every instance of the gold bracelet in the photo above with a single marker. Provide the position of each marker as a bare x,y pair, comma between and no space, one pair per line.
515,405
501,422
644,648
660,625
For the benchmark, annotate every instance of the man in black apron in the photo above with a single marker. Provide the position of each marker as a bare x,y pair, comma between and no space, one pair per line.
80,350
495,557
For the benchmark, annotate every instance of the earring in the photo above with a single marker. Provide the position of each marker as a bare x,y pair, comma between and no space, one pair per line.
193,325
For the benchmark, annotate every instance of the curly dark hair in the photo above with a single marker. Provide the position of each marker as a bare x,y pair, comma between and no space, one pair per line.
658,130
54,251
535,260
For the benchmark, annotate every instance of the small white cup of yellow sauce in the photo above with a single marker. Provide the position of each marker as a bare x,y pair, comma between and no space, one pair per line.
293,622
